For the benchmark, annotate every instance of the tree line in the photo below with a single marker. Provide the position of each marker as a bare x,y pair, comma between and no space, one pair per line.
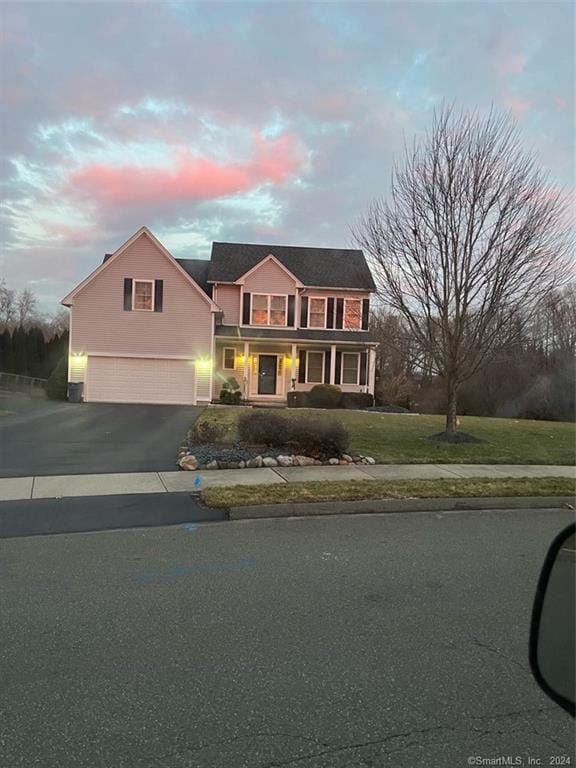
532,375
31,343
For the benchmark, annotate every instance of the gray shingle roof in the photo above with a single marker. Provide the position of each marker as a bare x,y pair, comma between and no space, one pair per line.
318,267
198,271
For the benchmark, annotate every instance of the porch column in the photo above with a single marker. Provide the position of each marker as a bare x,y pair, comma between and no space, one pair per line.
246,382
293,367
333,364
371,370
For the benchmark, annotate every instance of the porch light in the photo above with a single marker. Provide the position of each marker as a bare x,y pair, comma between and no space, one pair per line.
78,359
203,363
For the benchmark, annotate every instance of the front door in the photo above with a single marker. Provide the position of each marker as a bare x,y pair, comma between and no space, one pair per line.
267,374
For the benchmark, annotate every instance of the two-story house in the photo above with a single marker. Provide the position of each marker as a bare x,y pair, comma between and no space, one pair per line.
148,328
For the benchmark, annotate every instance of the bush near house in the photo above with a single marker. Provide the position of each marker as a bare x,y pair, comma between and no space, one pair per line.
230,393
356,401
57,384
325,396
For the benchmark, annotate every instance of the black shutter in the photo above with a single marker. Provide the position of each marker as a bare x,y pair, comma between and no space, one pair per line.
338,374
127,294
158,295
339,313
304,312
363,368
365,313
291,311
327,357
246,309
302,366
330,313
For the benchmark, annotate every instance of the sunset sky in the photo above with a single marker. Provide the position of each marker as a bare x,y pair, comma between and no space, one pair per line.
262,122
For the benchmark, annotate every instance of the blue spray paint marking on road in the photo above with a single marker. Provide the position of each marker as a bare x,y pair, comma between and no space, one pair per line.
190,527
197,482
188,570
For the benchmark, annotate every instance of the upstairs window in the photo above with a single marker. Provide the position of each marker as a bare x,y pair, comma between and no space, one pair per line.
143,295
268,310
352,314
317,313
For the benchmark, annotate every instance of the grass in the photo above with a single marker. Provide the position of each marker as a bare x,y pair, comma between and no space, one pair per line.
403,439
286,493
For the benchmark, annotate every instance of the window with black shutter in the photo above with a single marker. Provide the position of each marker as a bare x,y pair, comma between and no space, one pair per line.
127,294
246,309
302,366
339,313
291,300
365,313
338,372
330,313
363,369
158,295
327,359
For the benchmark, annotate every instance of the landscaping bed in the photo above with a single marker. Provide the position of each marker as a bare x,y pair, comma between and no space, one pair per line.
286,493
398,439
265,439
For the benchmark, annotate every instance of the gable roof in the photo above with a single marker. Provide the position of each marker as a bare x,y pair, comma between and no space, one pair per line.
314,267
110,257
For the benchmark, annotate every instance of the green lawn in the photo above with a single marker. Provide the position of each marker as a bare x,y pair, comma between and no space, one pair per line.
285,493
402,439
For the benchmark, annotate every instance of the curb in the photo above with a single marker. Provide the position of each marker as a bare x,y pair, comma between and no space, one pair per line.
380,506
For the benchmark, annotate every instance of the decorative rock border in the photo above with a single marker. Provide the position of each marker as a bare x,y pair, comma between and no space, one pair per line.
187,461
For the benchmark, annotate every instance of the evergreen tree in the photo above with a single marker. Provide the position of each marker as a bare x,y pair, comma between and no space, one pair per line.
20,351
6,351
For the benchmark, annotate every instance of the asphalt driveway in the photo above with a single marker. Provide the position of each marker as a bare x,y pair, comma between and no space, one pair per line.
42,437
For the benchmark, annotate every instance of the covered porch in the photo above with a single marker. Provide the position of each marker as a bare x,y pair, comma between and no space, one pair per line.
266,371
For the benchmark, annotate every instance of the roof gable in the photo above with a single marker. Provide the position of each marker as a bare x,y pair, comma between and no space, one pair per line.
270,258
311,267
110,258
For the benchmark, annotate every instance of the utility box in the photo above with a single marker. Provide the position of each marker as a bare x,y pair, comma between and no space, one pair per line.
75,391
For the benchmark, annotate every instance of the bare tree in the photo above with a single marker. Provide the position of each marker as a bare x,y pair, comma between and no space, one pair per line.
471,241
7,305
26,306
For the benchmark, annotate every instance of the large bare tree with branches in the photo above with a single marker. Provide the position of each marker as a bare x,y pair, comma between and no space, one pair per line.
471,240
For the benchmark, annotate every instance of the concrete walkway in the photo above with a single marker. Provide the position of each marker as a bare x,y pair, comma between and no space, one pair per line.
69,486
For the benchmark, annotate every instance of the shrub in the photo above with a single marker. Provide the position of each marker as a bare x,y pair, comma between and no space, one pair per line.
318,438
57,384
357,400
208,432
298,400
230,393
325,396
262,428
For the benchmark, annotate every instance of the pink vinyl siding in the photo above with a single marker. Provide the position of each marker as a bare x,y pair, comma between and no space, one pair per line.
99,323
228,299
269,278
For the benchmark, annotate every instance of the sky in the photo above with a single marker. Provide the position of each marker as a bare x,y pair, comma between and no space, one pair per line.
253,122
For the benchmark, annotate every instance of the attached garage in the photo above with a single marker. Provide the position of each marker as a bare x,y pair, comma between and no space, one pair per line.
140,380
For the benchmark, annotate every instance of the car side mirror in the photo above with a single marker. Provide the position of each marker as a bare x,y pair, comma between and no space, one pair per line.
553,622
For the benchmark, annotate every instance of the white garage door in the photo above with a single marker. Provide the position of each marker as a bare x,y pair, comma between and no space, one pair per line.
139,380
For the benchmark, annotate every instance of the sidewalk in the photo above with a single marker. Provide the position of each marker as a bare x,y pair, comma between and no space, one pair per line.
70,486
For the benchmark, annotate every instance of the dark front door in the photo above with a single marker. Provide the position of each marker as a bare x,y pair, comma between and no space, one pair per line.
267,375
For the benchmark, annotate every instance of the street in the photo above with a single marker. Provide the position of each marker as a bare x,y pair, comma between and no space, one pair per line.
46,437
343,642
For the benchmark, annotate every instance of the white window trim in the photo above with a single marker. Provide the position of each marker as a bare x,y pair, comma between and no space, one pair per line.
316,352
268,310
344,327
350,383
325,300
140,309
224,350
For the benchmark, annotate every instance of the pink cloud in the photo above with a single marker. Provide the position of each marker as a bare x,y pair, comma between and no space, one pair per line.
191,178
509,63
517,105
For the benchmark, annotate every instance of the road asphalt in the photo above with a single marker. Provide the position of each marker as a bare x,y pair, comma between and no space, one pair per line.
342,642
